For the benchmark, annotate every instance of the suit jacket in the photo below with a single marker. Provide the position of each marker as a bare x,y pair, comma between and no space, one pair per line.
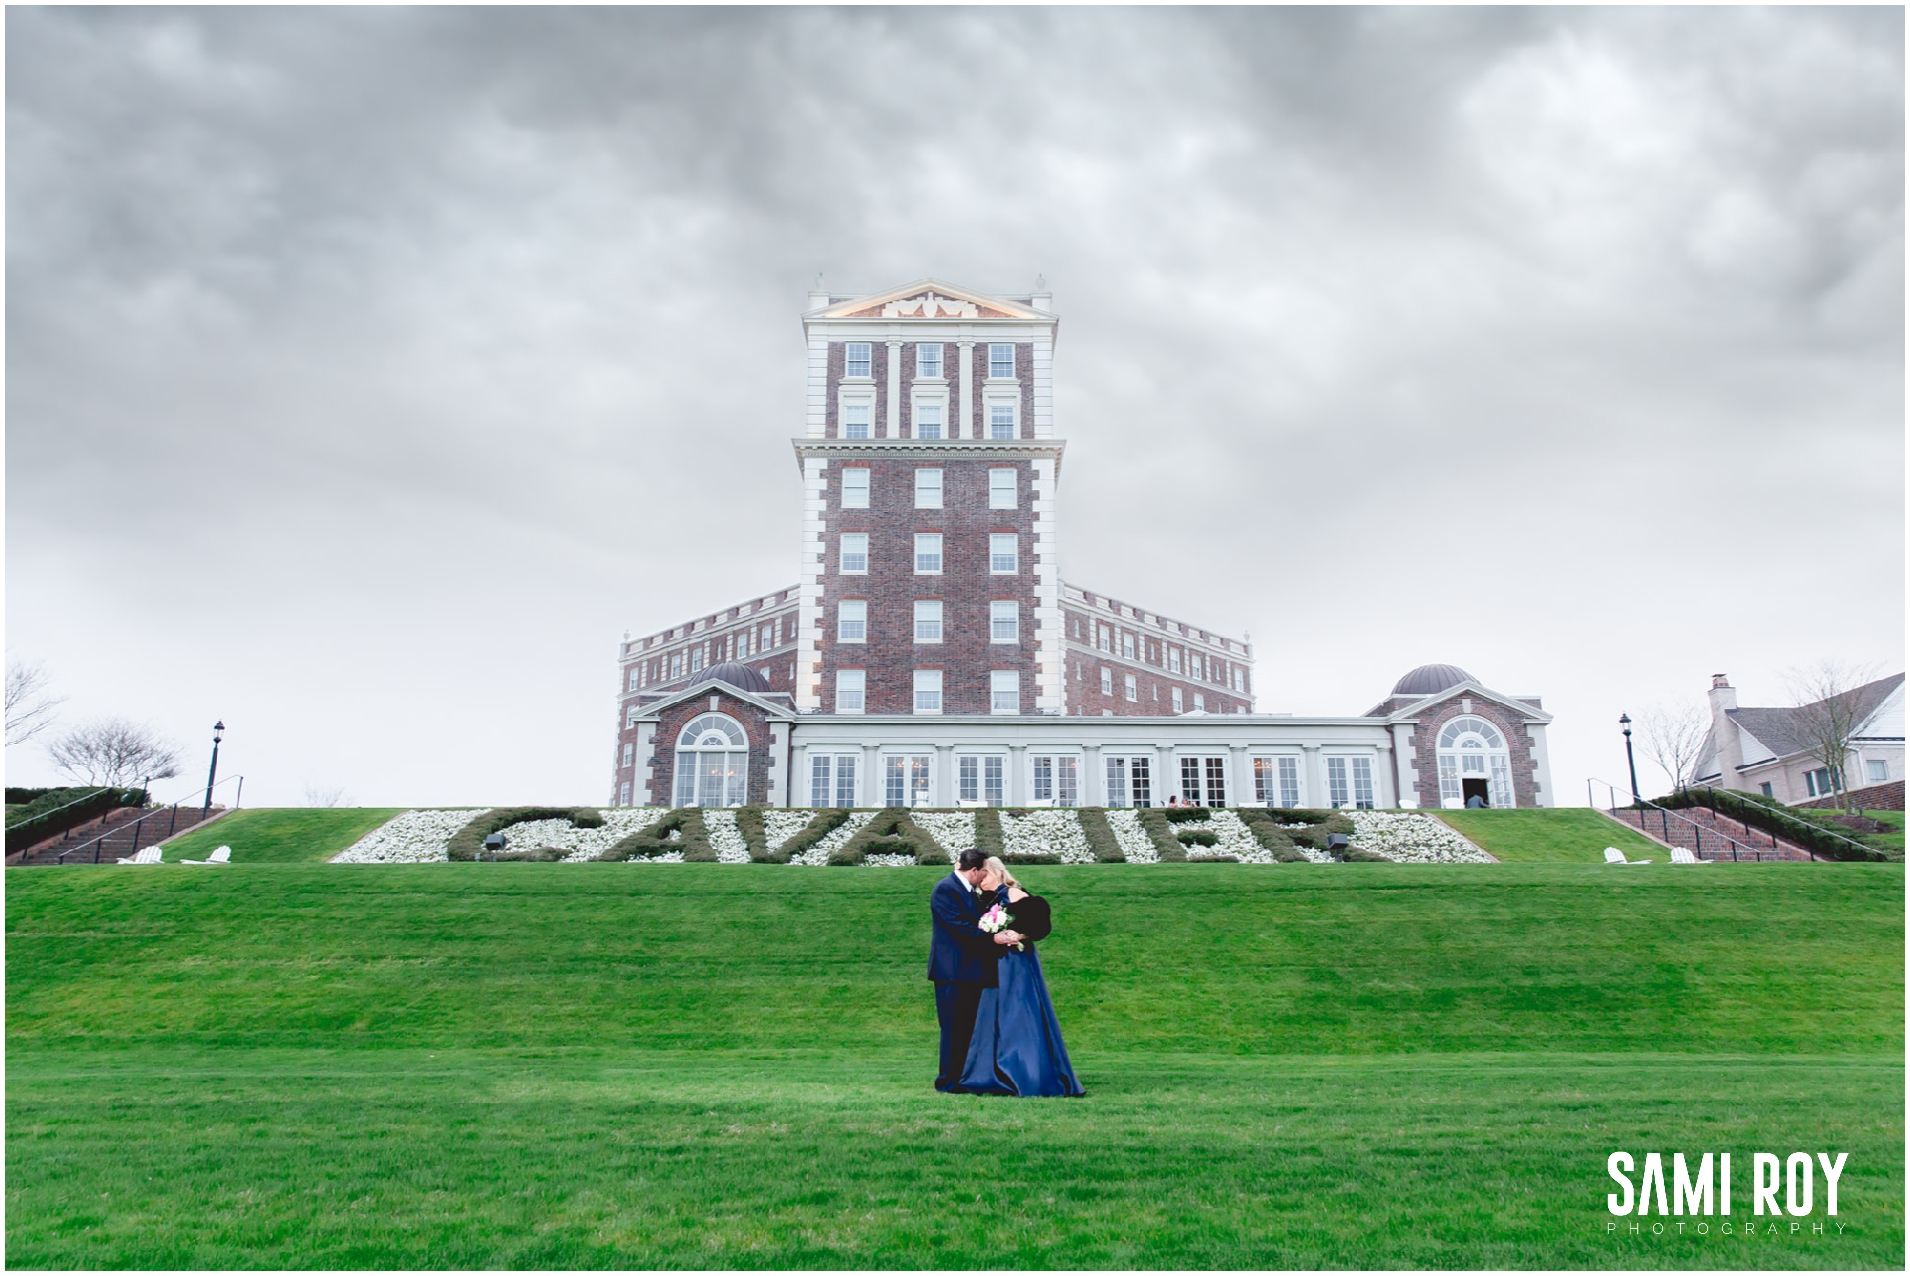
960,952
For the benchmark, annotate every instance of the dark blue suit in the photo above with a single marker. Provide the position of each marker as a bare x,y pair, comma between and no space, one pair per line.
962,960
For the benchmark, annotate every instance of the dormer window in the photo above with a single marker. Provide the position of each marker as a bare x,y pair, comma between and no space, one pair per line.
856,363
928,360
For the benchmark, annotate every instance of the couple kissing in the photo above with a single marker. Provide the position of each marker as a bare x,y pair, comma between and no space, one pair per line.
999,1031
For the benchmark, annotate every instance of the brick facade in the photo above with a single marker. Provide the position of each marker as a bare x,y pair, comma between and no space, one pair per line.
662,759
1511,725
965,586
1151,667
1875,797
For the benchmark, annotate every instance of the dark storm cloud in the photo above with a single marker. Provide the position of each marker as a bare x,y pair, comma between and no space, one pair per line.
371,369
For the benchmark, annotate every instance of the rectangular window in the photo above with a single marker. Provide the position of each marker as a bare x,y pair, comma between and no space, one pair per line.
969,779
852,555
928,420
1004,553
993,790
1877,771
1818,782
855,487
1107,681
1001,360
850,685
1190,781
1132,688
676,664
1117,781
1765,789
1363,783
928,620
905,780
855,421
928,690
1173,660
928,553
1216,781
1127,645
699,656
1103,639
1336,791
1001,421
1057,780
1004,621
635,682
928,489
856,364
1200,703
1002,490
765,639
928,359
623,794
832,779
1177,702
1004,691
852,621
1289,781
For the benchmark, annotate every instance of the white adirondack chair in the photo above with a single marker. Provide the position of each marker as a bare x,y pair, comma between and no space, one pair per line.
1615,856
970,804
1679,855
221,856
147,855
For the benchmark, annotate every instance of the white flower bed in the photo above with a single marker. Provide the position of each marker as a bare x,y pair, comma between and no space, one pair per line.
780,826
953,831
1133,840
818,855
1048,832
416,837
726,839
1413,839
1235,839
890,861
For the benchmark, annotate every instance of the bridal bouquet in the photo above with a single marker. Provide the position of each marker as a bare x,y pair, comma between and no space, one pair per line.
996,919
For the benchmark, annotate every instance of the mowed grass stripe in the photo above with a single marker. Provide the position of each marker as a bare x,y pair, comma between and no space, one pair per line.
1290,960
221,1158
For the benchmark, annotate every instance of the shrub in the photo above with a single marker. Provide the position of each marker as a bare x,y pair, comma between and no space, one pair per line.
57,810
1315,835
749,822
1032,858
1354,855
1813,830
825,822
468,842
1197,837
1101,839
680,830
988,831
1183,814
891,832
1266,830
1166,845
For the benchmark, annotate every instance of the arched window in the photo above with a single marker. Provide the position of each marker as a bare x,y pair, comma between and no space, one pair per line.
1474,762
712,762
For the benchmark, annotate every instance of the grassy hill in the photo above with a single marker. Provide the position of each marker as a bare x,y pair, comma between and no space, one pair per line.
702,1065
1568,834
280,835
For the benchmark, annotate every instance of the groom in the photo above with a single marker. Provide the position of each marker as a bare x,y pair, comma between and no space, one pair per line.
961,960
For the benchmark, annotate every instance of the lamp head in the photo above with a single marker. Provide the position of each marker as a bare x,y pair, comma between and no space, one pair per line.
218,732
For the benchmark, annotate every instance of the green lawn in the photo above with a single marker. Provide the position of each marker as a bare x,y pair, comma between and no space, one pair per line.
703,1065
283,835
1570,834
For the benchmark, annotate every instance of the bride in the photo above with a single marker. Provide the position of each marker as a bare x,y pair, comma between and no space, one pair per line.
1017,1046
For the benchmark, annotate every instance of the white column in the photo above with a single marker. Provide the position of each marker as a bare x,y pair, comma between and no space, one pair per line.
1017,775
798,791
969,428
1242,781
1405,773
1095,783
871,779
894,427
1166,778
1315,798
941,789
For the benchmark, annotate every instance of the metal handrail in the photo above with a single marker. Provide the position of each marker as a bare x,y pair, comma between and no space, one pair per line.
1697,830
155,813
1867,850
88,796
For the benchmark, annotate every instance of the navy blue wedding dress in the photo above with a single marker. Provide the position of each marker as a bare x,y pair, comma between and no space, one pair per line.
1017,1046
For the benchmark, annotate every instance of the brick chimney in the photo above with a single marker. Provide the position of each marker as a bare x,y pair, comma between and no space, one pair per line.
1724,732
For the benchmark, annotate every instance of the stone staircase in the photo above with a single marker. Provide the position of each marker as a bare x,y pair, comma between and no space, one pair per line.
116,833
1711,836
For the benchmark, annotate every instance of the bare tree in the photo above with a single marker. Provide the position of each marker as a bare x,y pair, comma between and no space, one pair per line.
114,751
1828,716
1672,736
29,707
315,796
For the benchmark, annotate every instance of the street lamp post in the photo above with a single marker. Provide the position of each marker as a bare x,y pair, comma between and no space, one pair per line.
1624,720
218,734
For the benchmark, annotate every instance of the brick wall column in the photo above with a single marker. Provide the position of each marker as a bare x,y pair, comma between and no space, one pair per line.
894,428
970,427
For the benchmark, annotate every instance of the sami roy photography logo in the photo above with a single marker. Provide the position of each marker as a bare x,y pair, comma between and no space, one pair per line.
1700,1198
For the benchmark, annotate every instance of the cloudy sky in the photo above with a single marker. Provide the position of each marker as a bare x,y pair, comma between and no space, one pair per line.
369,372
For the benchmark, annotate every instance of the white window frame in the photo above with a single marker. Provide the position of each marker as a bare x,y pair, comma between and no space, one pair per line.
999,407
629,753
852,612
867,424
938,405
636,678
1200,702
1129,779
623,794
1004,611
852,690
855,495
926,685
850,358
928,487
923,552
913,774
922,370
994,361
1177,700
1132,687
850,545
928,620
1004,691
1876,770
981,777
1054,779
832,779
995,557
1004,488
1107,681
1127,645
692,788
